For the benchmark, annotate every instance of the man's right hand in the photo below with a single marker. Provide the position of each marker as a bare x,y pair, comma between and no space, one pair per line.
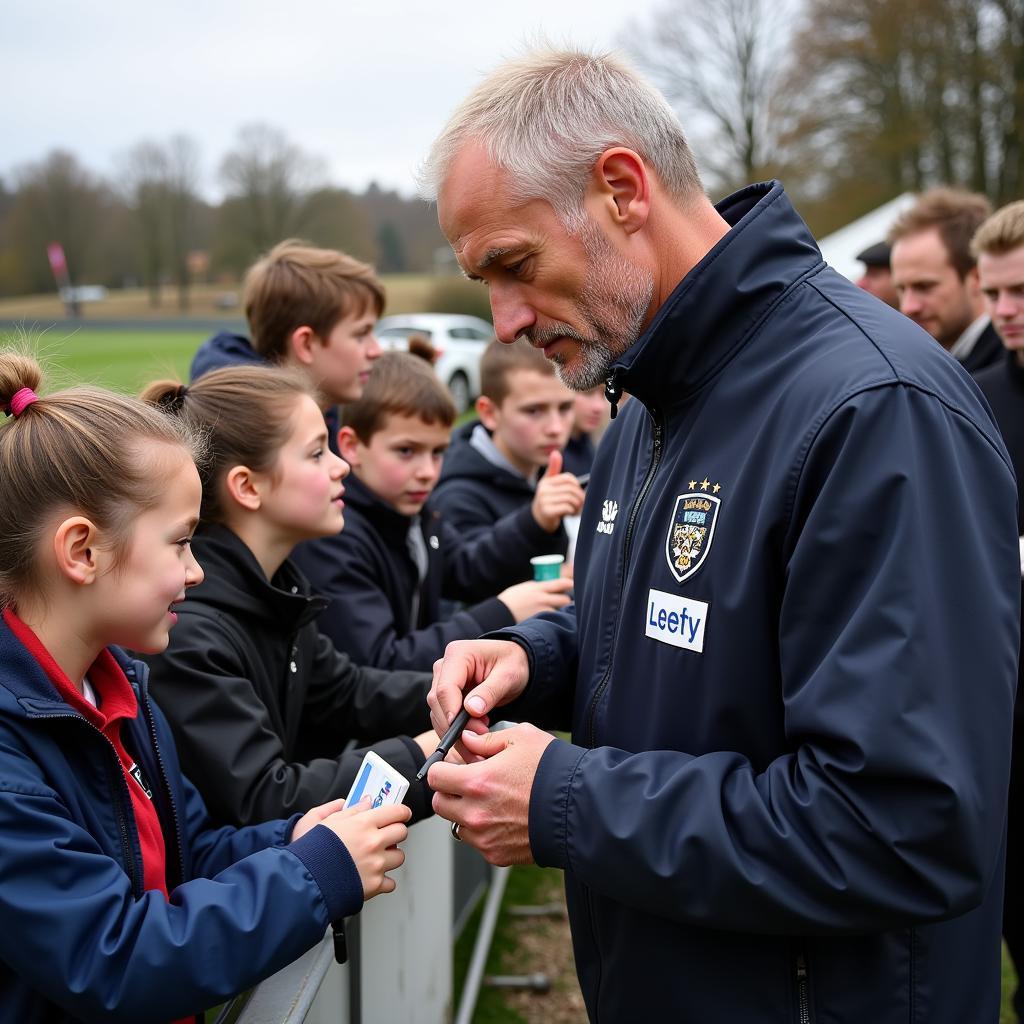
484,674
535,596
558,494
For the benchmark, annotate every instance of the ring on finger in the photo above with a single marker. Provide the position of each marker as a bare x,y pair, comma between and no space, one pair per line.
455,831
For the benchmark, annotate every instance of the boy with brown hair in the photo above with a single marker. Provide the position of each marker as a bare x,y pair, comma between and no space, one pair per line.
310,309
396,558
526,416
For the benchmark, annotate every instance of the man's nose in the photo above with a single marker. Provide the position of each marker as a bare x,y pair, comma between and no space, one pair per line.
910,304
1006,306
510,314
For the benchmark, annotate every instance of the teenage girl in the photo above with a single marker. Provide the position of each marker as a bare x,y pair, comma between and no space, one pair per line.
119,899
261,703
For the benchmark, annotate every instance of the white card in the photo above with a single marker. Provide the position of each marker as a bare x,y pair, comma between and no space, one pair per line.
377,780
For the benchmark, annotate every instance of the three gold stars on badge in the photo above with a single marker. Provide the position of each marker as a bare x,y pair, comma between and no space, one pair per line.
705,484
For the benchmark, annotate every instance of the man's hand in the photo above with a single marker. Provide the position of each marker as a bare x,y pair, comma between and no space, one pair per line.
535,596
490,799
558,494
484,673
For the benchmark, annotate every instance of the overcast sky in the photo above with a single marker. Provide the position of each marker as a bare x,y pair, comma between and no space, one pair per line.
364,85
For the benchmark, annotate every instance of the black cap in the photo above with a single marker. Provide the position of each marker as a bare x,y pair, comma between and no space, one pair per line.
876,255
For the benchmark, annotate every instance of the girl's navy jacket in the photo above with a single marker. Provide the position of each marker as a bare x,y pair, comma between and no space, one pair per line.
80,940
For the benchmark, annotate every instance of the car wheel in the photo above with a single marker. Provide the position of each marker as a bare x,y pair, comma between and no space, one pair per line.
459,388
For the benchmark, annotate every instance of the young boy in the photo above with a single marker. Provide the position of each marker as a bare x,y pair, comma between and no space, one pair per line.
388,569
526,416
310,309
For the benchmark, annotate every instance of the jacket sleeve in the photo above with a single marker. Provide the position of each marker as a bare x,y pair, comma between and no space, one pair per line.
549,641
84,940
481,566
378,707
228,744
360,620
897,640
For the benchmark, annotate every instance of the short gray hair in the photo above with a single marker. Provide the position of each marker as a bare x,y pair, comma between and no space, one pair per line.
547,116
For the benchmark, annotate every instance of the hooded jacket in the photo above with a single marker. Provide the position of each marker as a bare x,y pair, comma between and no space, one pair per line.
81,939
474,494
371,579
262,704
794,652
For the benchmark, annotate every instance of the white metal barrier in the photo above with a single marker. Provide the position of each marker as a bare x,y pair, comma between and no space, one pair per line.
400,953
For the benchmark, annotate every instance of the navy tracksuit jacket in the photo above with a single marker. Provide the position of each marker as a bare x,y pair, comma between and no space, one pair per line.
791,665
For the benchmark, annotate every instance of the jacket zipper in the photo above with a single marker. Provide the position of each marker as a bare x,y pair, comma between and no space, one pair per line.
657,431
118,794
803,996
175,821
613,392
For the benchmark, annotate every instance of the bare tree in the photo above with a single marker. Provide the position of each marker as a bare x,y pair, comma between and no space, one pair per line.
57,200
269,182
160,181
718,61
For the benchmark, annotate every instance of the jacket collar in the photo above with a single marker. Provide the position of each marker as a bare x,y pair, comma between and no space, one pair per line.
383,516
721,302
235,583
28,683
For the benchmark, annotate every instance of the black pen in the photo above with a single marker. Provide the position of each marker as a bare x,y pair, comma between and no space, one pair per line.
446,744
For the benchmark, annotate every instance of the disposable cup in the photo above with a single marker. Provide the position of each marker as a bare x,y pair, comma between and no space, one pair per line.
547,567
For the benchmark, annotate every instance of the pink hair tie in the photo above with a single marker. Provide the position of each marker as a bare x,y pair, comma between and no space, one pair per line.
21,400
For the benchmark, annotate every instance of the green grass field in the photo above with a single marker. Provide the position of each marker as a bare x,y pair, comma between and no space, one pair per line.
122,360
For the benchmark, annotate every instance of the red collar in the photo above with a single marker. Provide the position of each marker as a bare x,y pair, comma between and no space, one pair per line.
113,691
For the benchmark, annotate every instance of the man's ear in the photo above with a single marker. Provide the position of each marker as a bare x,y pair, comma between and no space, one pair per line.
487,411
621,185
348,446
76,550
300,344
245,488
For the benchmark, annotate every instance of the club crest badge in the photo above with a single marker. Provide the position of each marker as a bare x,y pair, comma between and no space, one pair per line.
691,532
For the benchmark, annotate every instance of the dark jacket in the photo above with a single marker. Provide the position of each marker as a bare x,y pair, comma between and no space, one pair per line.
369,575
794,651
474,494
81,940
1003,385
262,705
227,349
578,455
988,351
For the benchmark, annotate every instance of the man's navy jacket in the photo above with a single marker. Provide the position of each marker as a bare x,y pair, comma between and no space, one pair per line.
794,654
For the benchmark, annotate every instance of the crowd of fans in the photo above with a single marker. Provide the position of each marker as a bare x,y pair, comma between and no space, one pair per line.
285,603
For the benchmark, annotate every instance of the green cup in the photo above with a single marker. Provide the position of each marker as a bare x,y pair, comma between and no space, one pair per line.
547,567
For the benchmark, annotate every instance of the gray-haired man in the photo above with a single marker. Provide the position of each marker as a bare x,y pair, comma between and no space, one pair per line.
790,688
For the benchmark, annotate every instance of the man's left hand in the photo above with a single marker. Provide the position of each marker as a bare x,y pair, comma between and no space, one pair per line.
490,799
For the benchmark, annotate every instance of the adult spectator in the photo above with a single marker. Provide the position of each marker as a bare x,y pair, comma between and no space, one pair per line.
877,276
935,276
791,662
998,247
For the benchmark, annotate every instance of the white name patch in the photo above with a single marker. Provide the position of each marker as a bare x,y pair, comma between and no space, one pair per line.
676,620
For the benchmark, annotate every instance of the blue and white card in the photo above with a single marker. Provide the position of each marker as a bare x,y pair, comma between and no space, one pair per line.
377,780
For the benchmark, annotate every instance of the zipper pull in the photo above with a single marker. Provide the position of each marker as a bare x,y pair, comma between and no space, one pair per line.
613,392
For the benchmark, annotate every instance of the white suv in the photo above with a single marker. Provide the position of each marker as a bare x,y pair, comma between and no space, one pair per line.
458,340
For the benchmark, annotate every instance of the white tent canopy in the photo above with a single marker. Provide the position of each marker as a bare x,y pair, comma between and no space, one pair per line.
841,247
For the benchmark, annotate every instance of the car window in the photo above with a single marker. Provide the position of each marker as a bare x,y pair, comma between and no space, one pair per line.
469,334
